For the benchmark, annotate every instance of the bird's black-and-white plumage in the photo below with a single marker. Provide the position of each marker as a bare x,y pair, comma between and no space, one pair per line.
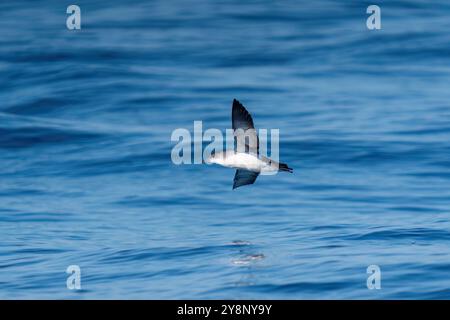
246,158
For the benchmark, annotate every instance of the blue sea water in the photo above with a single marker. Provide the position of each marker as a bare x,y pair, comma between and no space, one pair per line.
86,176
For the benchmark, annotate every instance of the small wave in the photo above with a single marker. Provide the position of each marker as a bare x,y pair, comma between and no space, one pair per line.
33,136
248,259
416,234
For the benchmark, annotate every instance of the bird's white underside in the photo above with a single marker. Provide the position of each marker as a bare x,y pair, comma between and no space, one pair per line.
239,160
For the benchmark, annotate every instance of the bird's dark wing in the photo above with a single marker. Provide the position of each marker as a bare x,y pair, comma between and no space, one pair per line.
244,177
241,118
244,128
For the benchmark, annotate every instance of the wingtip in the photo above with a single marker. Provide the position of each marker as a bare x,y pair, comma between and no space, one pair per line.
237,103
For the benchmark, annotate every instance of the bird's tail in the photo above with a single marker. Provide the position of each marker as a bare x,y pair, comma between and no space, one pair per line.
284,167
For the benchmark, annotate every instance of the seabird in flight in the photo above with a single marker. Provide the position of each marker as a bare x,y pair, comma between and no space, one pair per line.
246,158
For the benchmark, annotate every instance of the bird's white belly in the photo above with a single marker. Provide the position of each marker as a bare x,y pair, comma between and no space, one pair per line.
243,161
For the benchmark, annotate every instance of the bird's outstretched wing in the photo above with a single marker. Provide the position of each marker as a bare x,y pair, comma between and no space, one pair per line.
244,130
244,177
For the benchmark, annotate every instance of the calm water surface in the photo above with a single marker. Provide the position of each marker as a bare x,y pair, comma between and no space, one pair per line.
86,176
